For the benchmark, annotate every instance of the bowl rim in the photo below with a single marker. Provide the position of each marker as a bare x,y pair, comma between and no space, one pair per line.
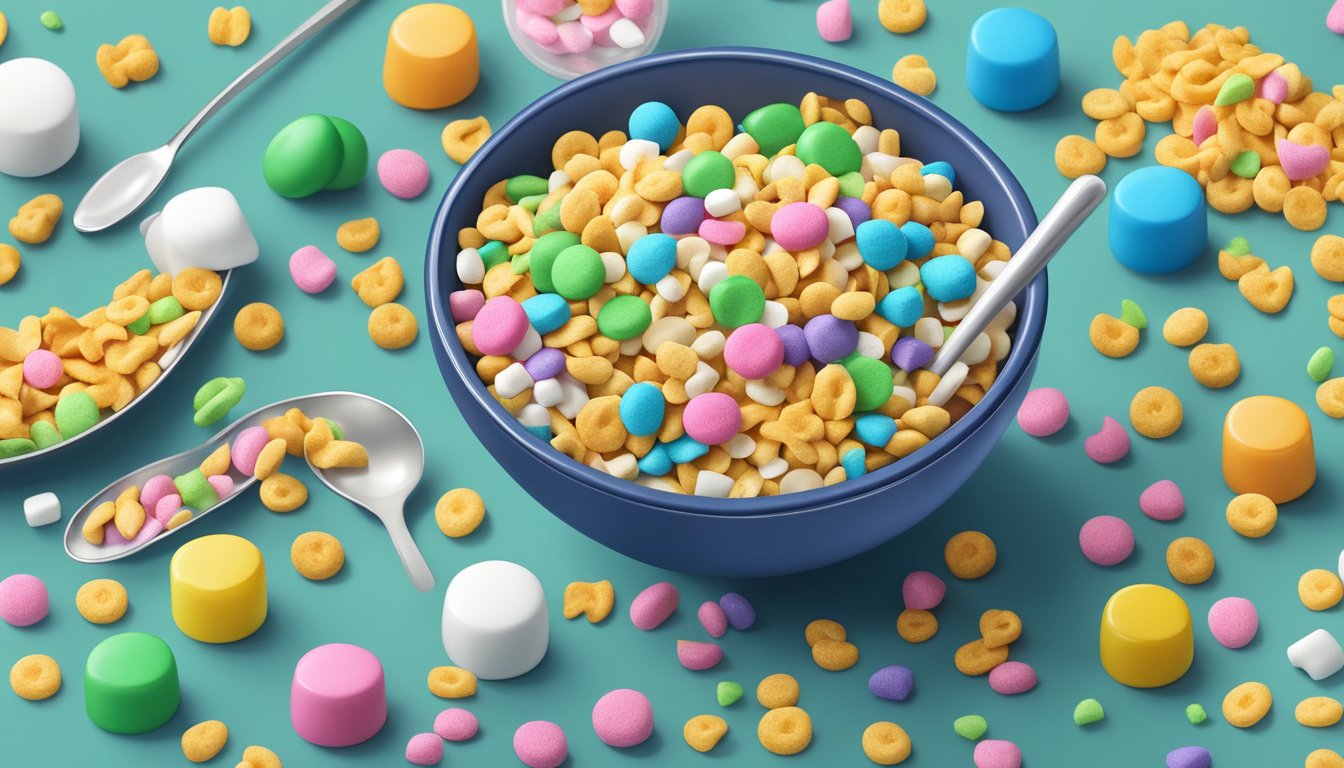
1030,319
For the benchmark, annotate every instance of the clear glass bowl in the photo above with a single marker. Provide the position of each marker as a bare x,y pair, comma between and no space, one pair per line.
568,66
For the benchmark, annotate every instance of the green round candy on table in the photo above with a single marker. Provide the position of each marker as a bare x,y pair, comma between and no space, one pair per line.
164,310
44,434
831,147
215,398
16,446
542,257
578,272
303,157
525,185
75,413
624,317
51,20
736,301
707,172
872,383
774,127
196,490
970,727
130,683
354,155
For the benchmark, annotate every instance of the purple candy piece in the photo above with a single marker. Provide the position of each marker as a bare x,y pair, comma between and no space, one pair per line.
546,363
795,344
740,613
829,338
465,304
682,216
857,210
894,683
910,353
1189,757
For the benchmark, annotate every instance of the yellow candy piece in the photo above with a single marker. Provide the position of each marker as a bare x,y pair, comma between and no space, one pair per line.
203,741
35,677
36,219
132,59
229,26
1268,448
359,235
785,731
703,732
1247,704
1147,637
452,683
592,599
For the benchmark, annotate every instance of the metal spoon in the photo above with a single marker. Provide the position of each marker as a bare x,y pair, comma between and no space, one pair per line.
130,183
1071,210
396,463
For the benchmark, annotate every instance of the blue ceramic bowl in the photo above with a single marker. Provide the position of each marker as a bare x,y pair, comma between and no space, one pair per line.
733,537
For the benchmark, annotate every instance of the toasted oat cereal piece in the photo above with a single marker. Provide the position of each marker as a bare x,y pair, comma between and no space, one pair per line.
1156,412
317,555
35,677
197,289
594,600
36,219
970,554
1304,208
999,628
1121,136
886,743
358,235
1190,560
229,26
1112,337
258,326
1078,155
1327,257
703,732
1319,589
902,16
1185,327
777,690
1330,398
916,626
823,629
259,757
913,73
203,741
10,261
1236,259
132,59
1247,704
785,731
1215,365
835,655
975,658
461,138
1318,712
380,283
451,683
102,601
459,512
392,326
283,493
1267,291
1105,103
1252,515
102,514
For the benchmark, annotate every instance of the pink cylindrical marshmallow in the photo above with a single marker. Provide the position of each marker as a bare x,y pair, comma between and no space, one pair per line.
754,351
23,600
403,172
464,304
712,418
835,22
247,447
1044,412
575,37
1012,677
499,326
338,697
223,485
540,744
424,749
1233,621
712,618
722,231
1302,161
149,530
42,368
654,605
540,29
456,724
312,270
1162,501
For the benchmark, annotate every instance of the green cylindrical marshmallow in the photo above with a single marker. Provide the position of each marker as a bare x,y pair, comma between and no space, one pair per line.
16,446
130,683
624,317
44,434
736,301
196,490
578,272
525,185
547,220
214,399
164,310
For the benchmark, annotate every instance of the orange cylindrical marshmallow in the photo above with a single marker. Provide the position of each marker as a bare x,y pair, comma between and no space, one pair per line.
1267,448
1147,637
432,59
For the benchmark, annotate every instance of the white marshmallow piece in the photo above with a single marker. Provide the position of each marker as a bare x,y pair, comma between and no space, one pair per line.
614,264
494,620
625,466
840,226
949,384
870,346
1318,654
626,34
741,446
470,265
677,160
670,288
511,381
203,227
529,346
866,136
937,186
713,484
635,150
42,509
774,315
722,202
711,275
548,393
709,345
763,393
39,117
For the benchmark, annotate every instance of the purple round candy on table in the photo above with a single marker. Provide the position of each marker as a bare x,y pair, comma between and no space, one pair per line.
546,363
1189,757
795,344
739,611
857,210
829,338
909,353
683,216
465,304
893,683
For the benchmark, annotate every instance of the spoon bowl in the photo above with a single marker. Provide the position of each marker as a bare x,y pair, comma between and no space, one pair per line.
123,189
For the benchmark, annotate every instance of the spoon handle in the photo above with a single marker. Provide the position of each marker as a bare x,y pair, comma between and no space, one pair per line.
1073,207
411,559
315,23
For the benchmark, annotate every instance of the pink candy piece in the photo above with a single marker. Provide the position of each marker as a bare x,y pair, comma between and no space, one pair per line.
149,530
723,232
112,537
1233,622
635,9
465,304
154,489
339,696
23,600
456,724
247,447
996,753
698,656
575,37
1205,125
712,618
403,172
1011,678
223,485
799,226
540,744
922,591
623,718
654,605
424,749
42,368
539,28
542,7
1274,87
1106,540
1302,161
602,21
713,418
167,507
754,351
1334,20
1109,445
835,23
1044,412
313,271
1162,501
500,326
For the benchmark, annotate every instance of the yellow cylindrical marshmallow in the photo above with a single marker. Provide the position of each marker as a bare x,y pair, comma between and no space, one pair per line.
432,59
218,587
1267,448
1147,638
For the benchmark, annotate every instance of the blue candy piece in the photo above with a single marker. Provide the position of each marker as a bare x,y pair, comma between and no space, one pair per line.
874,429
881,244
919,238
655,121
642,408
546,311
1158,221
652,257
656,461
542,431
685,448
1012,60
942,168
853,462
903,306
948,278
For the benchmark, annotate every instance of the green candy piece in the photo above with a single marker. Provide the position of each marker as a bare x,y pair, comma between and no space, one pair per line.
547,220
1195,714
543,254
851,184
774,127
16,446
736,301
51,20
354,155
140,326
164,310
303,157
75,413
526,185
336,432
947,330
970,727
831,147
872,383
1238,246
520,263
196,490
44,434
728,693
130,683
1238,87
1132,314
1087,712
214,399
493,254
532,202
624,317
578,272
1320,365
1246,164
707,172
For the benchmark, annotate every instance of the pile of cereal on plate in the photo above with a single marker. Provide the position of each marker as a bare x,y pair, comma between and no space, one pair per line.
726,312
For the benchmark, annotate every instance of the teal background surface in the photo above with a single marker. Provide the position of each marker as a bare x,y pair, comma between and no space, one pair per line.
1031,496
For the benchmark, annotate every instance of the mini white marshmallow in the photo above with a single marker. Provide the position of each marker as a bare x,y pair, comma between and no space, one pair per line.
992,269
713,484
512,381
973,243
774,468
571,12
558,180
841,228
783,166
690,247
775,314
626,34
548,393
470,266
635,151
801,479
614,264
870,346
529,346
703,380
629,232
671,289
1000,343
978,351
631,347
741,144
903,274
1318,654
866,136
495,620
677,160
711,275
937,186
741,446
575,397
625,466
534,415
764,393
949,384
44,509
930,331
847,255
722,202
709,344
905,393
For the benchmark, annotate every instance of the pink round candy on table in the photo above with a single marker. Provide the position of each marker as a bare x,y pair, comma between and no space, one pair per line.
456,724
635,9
722,231
540,744
623,718
465,304
1106,540
654,605
424,749
1044,412
996,753
247,447
154,489
1334,20
1012,677
712,618
499,327
1233,622
312,270
754,351
712,418
223,485
1205,124
575,37
922,591
42,368
799,226
1301,161
167,507
835,22
403,172
23,600
1162,501
698,656
1109,445
339,696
